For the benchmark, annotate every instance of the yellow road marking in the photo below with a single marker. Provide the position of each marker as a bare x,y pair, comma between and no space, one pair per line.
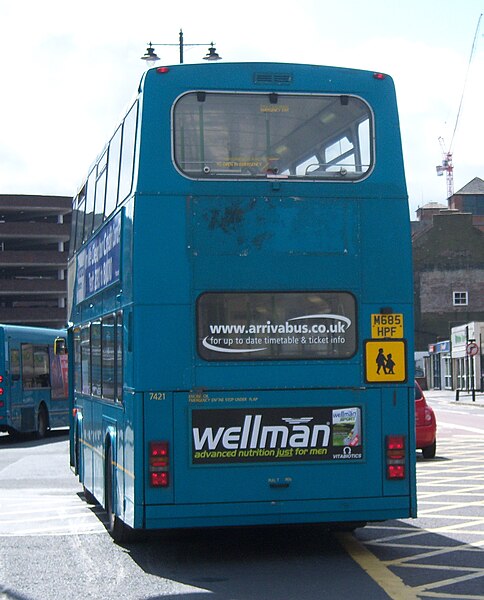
451,581
446,491
390,583
443,596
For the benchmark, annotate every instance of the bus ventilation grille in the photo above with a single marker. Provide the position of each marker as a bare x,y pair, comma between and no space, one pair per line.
274,78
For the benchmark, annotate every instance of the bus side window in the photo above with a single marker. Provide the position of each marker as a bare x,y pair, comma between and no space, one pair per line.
108,357
77,360
27,366
35,366
96,364
85,347
79,219
128,153
114,154
14,364
119,357
60,346
41,367
90,195
100,191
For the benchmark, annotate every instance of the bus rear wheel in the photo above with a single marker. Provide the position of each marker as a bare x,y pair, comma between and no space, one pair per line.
42,421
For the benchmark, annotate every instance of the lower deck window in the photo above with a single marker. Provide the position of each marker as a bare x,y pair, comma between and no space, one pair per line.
276,326
35,366
98,358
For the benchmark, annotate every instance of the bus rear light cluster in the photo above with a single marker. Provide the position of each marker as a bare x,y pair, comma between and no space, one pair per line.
395,455
159,464
1,388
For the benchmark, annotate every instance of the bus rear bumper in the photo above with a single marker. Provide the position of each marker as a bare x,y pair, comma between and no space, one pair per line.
277,513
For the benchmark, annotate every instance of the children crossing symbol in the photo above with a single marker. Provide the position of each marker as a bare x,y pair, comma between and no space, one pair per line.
385,361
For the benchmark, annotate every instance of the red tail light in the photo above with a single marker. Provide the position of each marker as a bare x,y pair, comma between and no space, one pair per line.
395,451
159,464
396,472
396,444
159,479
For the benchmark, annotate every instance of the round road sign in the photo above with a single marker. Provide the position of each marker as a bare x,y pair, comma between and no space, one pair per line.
472,349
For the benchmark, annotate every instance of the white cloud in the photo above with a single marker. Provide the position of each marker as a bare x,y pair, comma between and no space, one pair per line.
70,69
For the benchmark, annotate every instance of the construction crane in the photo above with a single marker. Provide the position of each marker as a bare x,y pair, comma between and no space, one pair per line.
447,167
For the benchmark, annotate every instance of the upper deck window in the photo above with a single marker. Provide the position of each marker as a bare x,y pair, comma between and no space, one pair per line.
238,135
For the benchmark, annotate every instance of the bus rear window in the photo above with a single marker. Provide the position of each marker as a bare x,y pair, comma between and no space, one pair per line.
276,326
219,135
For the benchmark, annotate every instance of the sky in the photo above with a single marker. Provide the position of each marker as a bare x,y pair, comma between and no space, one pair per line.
69,69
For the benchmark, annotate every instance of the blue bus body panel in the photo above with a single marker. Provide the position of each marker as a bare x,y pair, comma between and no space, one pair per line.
361,264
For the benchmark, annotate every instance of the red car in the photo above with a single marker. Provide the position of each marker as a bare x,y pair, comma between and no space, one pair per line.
426,425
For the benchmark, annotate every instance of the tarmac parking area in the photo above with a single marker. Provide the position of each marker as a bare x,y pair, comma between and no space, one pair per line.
441,553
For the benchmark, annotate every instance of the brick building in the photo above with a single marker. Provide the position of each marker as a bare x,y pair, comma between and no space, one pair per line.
448,255
34,234
470,199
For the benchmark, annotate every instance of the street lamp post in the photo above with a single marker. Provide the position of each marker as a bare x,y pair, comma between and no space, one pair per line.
151,56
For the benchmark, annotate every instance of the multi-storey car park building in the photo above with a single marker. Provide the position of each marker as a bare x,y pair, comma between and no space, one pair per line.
34,236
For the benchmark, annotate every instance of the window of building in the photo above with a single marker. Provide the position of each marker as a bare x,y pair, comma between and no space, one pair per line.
461,299
447,372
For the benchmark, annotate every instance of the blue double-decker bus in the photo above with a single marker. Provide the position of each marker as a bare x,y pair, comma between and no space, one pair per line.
240,289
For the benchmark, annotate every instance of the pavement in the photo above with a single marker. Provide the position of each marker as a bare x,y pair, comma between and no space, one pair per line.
450,396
